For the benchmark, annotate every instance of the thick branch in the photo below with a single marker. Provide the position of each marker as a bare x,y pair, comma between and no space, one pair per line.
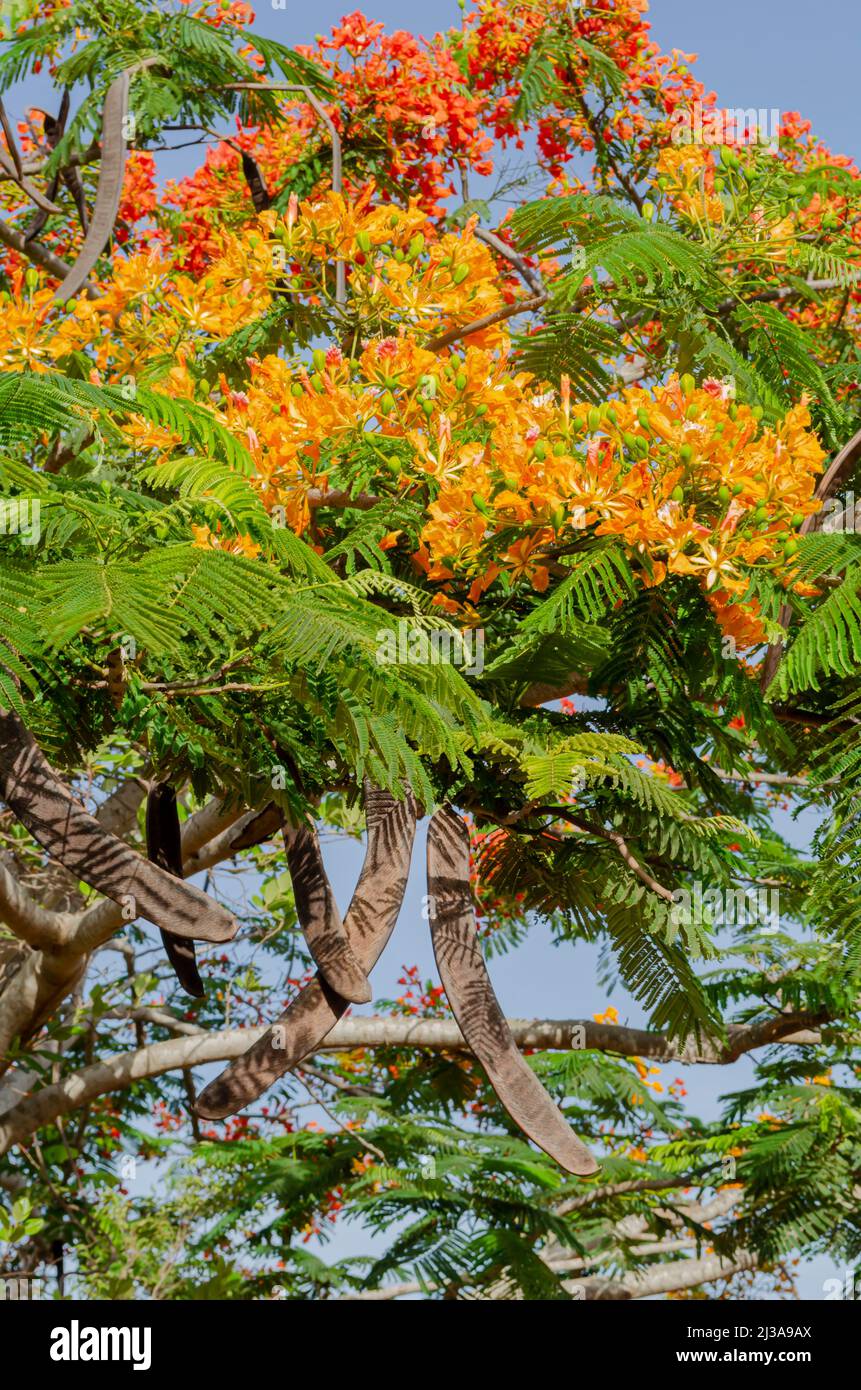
454,335
40,255
177,1053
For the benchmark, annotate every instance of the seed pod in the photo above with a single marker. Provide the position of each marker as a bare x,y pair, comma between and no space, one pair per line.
797,520
790,547
724,493
737,488
593,419
460,381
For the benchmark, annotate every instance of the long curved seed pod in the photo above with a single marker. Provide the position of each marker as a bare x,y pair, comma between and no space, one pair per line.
476,1007
256,184
369,923
112,169
320,919
53,129
164,848
33,193
45,806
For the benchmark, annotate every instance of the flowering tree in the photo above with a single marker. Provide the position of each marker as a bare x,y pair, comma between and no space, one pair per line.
333,476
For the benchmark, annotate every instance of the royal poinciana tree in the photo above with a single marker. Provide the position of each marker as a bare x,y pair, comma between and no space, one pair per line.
333,476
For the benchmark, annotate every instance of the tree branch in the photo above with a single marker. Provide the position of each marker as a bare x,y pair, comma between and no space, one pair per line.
453,335
40,255
178,1053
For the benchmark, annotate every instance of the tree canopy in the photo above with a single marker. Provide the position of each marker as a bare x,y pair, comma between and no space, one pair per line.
470,435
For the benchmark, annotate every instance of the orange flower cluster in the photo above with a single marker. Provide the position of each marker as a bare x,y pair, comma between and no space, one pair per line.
505,468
